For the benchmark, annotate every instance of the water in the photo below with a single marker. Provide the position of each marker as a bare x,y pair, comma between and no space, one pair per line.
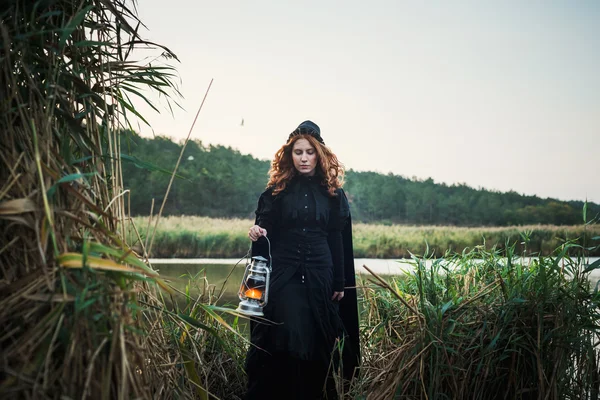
222,276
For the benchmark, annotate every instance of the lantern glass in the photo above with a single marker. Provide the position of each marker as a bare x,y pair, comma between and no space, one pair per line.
254,284
254,289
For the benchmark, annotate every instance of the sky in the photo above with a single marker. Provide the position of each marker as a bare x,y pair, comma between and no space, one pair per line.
503,95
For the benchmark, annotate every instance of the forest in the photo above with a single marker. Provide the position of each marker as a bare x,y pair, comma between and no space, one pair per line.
219,181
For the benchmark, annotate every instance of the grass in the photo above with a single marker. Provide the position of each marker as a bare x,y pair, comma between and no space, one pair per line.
197,237
476,325
480,326
206,343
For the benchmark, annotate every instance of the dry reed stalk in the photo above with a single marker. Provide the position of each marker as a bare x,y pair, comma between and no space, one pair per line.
76,332
162,206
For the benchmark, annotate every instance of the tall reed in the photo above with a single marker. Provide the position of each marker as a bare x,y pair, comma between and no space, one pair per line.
80,313
481,326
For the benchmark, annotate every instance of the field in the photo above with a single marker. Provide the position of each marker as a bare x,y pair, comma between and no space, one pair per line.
198,237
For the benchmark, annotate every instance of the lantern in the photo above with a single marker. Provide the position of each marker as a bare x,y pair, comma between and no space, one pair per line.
254,290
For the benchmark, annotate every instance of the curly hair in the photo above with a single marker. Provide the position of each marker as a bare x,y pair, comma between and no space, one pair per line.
328,168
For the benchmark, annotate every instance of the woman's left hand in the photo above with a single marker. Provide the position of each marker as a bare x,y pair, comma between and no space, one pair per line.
337,296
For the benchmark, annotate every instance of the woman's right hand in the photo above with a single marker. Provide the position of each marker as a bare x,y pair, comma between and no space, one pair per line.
255,232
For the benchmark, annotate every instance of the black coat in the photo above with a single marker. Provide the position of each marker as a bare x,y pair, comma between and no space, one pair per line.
310,236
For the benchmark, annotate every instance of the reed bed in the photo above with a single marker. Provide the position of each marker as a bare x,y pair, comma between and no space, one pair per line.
399,241
476,325
206,343
82,317
196,237
481,326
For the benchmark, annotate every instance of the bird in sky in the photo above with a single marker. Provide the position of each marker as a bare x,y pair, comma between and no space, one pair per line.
242,123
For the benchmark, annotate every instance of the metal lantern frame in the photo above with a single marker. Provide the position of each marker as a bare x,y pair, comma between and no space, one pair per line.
257,276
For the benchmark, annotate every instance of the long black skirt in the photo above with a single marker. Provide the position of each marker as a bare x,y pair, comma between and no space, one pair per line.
294,356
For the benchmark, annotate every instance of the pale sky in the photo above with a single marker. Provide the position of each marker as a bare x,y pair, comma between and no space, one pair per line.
503,95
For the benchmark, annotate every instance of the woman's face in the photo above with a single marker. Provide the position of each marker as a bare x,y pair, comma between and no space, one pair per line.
305,157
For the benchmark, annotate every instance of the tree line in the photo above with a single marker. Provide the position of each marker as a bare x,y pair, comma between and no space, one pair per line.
219,181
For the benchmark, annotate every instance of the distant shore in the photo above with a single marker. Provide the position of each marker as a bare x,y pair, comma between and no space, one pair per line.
203,237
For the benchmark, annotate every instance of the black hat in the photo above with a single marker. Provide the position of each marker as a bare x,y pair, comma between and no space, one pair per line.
308,128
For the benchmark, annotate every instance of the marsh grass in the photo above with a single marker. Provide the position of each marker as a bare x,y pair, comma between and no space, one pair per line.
475,325
478,325
189,237
195,237
207,343
81,315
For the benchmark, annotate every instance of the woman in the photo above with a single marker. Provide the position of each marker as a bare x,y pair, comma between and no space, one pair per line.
305,215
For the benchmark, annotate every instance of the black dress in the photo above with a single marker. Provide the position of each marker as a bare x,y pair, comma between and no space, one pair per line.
291,357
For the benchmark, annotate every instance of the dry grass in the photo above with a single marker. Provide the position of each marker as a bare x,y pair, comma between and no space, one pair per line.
193,236
81,315
396,241
201,225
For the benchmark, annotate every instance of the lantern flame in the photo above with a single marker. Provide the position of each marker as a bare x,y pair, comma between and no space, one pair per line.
254,294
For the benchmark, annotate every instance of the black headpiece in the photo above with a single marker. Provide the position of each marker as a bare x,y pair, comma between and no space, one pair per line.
308,128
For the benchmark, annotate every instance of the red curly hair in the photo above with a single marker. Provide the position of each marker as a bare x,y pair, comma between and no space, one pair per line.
328,167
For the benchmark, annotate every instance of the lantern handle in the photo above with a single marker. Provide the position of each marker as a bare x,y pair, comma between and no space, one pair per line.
270,258
249,253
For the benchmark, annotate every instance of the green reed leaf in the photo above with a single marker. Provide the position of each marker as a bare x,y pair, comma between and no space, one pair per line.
68,178
592,266
73,24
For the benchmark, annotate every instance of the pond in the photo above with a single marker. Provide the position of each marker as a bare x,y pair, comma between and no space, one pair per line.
223,276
